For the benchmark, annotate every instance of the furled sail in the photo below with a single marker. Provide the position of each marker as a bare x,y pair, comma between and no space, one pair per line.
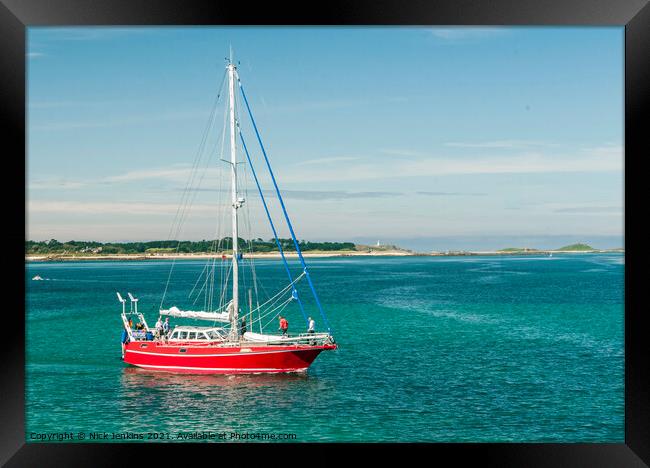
196,314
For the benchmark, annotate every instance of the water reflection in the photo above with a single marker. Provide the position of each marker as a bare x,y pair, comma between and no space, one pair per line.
167,401
134,378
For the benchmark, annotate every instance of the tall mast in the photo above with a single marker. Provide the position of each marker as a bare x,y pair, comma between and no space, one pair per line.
235,201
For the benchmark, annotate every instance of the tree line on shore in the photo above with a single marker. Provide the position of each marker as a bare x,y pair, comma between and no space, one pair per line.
172,246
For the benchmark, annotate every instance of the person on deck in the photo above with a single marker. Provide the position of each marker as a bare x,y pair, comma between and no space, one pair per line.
242,328
159,328
166,326
312,325
284,325
125,340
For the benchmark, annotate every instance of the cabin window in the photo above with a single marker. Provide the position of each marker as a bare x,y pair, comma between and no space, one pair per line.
182,335
192,336
201,336
215,334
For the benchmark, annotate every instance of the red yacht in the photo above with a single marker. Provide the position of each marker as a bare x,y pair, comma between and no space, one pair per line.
227,346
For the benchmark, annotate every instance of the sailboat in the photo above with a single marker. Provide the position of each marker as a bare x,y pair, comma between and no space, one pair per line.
226,346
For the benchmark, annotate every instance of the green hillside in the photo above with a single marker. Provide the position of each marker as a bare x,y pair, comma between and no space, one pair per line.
173,246
574,247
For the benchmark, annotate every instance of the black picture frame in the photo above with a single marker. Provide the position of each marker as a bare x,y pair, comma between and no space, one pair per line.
17,15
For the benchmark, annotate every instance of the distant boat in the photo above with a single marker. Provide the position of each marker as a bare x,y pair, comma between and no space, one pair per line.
37,278
231,348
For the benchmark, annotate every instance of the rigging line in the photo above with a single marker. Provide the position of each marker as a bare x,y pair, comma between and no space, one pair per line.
248,227
222,276
216,244
195,164
250,258
207,272
268,215
212,247
286,301
213,260
197,158
247,217
284,210
257,299
185,211
199,295
284,305
212,251
184,215
224,215
221,224
197,281
224,291
275,298
208,305
194,195
250,245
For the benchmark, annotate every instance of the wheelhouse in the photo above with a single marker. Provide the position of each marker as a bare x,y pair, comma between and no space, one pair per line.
197,334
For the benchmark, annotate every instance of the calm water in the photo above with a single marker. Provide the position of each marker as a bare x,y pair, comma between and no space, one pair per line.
431,349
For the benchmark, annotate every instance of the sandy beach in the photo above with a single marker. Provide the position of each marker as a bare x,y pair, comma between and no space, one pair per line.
274,255
199,256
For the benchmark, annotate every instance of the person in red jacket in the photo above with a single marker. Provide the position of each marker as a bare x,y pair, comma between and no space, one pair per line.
284,325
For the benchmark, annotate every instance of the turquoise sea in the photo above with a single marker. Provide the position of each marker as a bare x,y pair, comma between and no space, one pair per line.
431,349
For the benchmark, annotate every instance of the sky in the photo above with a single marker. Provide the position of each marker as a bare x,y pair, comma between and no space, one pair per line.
431,138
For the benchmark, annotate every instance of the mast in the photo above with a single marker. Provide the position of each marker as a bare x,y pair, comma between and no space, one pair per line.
235,201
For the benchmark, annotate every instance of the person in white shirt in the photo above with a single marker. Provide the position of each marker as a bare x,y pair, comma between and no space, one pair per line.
159,327
312,325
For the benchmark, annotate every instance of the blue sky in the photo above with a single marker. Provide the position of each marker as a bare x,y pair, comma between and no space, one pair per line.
432,138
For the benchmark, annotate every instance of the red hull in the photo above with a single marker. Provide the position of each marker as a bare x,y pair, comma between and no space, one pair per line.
206,359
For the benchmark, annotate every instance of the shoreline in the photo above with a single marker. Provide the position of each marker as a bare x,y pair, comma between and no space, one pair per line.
276,255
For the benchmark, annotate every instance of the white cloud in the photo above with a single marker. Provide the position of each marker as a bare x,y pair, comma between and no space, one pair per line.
607,158
179,173
502,144
56,184
405,153
119,122
530,162
122,208
610,210
319,161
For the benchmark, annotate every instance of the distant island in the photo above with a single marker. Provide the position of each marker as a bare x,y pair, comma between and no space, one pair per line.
566,248
259,248
55,250
170,246
573,248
